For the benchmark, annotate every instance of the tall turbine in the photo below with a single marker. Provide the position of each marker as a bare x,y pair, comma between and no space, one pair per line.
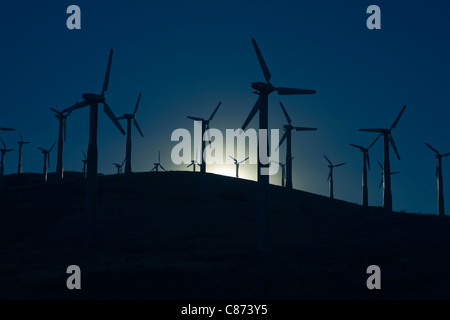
119,167
330,175
237,164
382,174
264,89
388,139
93,101
4,151
62,120
158,164
130,117
21,143
366,164
287,136
46,154
440,185
283,172
84,164
205,127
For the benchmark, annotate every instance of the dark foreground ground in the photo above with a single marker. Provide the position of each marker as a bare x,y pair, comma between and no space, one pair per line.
157,240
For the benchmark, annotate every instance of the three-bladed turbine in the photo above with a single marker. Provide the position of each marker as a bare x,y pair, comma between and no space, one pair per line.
237,164
62,133
3,151
119,167
84,164
382,174
440,184
330,175
158,164
21,143
46,154
388,140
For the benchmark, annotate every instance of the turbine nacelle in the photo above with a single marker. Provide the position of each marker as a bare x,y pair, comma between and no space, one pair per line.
93,98
262,87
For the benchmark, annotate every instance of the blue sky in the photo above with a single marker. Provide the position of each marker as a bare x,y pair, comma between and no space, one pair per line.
186,56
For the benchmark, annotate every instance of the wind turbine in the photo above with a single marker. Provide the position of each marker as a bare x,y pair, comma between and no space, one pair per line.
440,186
366,164
21,143
205,127
263,89
287,136
382,174
387,192
194,163
93,101
119,167
283,172
130,117
62,120
158,165
237,164
84,164
330,175
2,168
46,154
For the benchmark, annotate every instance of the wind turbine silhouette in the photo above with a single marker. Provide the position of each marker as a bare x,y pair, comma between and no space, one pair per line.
119,167
4,151
205,128
382,174
388,139
287,136
84,164
93,100
440,185
21,143
264,89
193,163
158,164
283,172
366,164
237,164
46,154
330,175
7,129
62,120
130,117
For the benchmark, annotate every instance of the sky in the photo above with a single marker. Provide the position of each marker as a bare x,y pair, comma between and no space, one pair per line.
187,56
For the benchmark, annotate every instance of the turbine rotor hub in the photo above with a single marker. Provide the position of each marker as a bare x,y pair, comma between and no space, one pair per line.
93,98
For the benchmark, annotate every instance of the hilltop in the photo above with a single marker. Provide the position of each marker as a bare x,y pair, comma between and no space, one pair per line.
158,240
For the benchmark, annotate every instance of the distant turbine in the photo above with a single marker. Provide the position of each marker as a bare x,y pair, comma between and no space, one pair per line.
388,139
330,175
205,127
283,172
130,117
366,164
46,154
382,174
263,89
193,163
287,136
440,186
93,101
158,164
119,167
2,168
237,164
21,143
62,120
84,164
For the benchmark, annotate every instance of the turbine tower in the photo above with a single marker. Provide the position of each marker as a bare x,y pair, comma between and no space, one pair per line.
158,164
84,164
440,186
130,117
264,89
287,136
46,154
330,175
205,127
93,100
21,143
366,164
388,139
119,167
237,164
62,120
4,151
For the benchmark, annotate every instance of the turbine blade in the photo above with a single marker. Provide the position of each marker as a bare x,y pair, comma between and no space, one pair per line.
264,68
290,91
281,141
7,129
305,129
340,165
76,106
373,143
373,130
162,167
54,143
215,111
108,72
56,111
381,183
154,168
391,139
233,158
397,172
398,118
252,113
380,165
84,154
190,165
3,142
285,113
446,155
328,160
42,149
356,146
113,118
437,152
137,104
137,127
196,119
